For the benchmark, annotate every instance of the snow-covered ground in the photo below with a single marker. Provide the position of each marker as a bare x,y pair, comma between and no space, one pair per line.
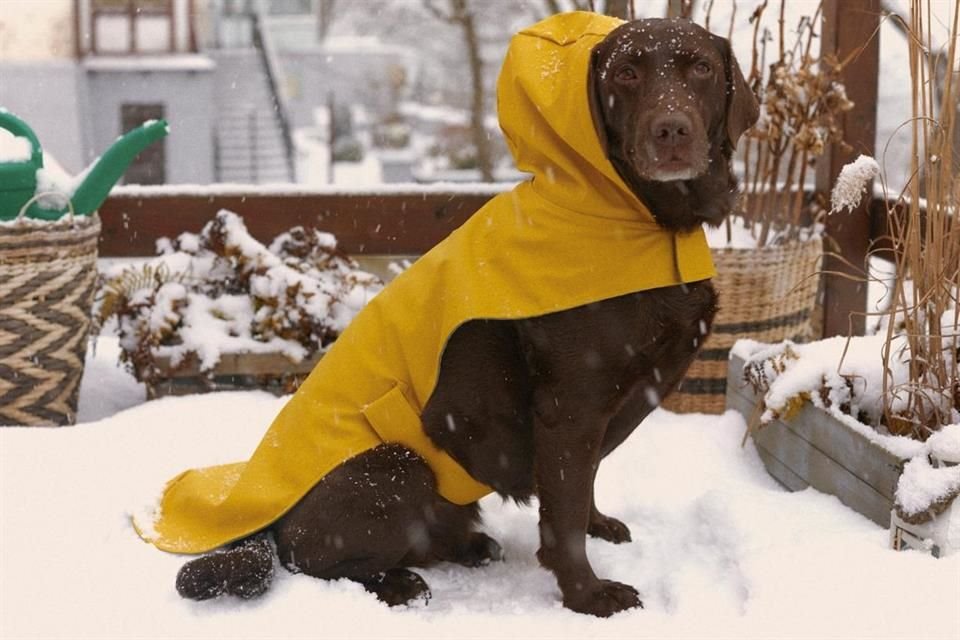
719,550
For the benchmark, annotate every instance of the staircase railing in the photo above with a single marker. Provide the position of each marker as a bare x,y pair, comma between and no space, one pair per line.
268,58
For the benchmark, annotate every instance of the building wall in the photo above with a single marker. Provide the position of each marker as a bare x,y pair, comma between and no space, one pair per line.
36,30
187,96
49,95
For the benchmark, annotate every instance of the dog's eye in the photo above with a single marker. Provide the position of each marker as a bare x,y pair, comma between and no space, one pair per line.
702,69
626,73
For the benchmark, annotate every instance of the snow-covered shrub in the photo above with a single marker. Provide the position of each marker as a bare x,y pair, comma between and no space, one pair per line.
393,133
223,291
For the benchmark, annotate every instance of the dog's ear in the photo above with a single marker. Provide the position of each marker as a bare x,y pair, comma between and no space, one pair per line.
593,96
742,106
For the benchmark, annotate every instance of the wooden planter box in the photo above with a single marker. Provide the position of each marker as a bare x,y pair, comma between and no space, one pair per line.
273,372
816,450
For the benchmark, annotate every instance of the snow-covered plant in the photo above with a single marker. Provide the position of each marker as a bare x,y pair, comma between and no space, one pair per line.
224,291
802,98
146,303
853,181
924,319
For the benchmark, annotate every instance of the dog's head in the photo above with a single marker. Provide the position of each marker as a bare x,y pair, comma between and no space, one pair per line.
669,103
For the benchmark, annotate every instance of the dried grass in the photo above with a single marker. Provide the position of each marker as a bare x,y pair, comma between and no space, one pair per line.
924,320
801,98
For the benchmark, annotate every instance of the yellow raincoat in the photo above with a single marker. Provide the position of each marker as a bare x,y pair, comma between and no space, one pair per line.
571,235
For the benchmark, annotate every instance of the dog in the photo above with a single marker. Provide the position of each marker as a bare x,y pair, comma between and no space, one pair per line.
530,406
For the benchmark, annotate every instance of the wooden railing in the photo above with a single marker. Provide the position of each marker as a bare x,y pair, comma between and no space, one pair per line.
401,221
395,221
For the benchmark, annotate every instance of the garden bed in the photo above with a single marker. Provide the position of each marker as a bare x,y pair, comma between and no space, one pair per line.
273,372
221,311
815,449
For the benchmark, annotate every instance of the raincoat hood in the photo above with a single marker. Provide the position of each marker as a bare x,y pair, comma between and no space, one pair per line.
571,235
544,112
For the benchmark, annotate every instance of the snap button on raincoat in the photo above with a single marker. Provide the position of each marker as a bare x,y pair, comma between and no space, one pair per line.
572,234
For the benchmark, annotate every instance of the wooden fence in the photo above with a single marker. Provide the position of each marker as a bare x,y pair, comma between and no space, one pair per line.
402,222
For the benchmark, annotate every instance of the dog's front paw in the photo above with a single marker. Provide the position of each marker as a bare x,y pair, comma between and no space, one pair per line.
606,598
607,528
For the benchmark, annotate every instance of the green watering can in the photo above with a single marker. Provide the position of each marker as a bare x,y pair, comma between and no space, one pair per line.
18,179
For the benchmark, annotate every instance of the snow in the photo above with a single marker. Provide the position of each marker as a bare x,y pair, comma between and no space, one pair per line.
923,485
237,189
719,549
59,185
945,444
742,236
852,183
746,235
14,148
149,63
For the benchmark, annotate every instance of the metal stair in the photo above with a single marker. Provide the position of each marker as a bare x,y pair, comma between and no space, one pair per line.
249,143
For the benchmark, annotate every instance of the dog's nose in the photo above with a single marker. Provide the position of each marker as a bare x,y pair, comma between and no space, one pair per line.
671,130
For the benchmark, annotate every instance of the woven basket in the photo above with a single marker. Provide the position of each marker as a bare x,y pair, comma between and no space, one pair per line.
767,295
47,278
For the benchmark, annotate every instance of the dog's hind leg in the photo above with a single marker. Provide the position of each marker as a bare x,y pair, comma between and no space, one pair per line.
244,569
365,521
452,535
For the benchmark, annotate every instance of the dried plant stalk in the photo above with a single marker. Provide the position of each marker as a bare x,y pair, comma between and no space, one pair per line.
802,97
924,319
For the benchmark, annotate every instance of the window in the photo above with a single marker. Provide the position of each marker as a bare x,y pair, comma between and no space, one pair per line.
290,7
132,26
135,6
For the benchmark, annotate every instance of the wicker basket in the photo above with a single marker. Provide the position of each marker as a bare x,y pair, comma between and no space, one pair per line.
47,279
767,295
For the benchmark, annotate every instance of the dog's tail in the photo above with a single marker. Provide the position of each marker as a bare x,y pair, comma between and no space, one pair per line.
244,569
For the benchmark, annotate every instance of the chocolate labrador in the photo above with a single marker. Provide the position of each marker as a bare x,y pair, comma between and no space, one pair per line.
530,407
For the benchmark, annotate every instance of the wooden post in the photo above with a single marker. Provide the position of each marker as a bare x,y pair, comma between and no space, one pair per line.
77,32
191,27
132,18
92,21
172,25
849,26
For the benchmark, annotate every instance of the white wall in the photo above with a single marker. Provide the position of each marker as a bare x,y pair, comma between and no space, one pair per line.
187,96
49,96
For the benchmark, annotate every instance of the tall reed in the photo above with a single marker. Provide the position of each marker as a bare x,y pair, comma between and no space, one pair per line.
924,226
